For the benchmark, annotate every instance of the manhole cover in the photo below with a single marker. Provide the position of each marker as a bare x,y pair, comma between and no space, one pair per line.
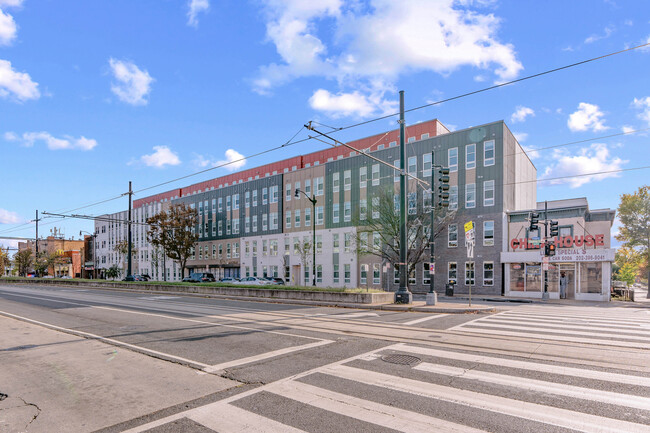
401,359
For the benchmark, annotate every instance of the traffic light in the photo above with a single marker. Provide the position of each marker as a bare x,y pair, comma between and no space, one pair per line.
443,187
549,249
554,229
533,217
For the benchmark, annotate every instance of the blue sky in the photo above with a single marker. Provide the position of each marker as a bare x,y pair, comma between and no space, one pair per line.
94,94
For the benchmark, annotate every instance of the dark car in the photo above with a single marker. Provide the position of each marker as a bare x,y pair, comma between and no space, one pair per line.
229,280
201,277
188,280
277,280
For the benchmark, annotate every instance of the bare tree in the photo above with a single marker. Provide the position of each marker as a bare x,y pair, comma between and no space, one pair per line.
380,236
172,231
305,252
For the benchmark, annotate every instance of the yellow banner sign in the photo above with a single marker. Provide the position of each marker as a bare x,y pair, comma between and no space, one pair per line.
469,226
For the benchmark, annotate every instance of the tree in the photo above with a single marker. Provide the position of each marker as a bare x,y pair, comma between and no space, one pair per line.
5,262
172,231
113,272
45,261
23,261
634,214
381,236
122,247
627,263
305,252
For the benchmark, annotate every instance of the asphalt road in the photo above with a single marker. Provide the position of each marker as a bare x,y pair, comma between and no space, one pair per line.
90,360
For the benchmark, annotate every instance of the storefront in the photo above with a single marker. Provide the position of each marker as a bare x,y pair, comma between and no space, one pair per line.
584,274
581,268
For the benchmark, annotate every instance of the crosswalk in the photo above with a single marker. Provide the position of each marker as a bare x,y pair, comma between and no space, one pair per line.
416,388
621,327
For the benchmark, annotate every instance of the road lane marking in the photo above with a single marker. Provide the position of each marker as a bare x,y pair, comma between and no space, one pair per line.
562,327
527,365
504,406
424,319
107,340
267,355
364,410
226,418
453,328
625,400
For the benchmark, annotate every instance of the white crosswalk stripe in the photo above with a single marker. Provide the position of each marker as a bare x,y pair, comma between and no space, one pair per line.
613,326
521,389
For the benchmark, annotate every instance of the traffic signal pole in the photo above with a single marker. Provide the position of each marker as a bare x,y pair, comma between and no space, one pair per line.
403,295
545,265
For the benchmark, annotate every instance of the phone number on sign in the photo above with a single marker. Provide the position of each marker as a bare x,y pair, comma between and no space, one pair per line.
580,258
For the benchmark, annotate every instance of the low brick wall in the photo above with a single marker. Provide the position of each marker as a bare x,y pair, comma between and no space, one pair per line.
279,294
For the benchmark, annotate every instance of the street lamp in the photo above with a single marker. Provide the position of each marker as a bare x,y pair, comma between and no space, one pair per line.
313,232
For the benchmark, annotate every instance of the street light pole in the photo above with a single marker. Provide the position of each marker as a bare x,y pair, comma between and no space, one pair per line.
313,232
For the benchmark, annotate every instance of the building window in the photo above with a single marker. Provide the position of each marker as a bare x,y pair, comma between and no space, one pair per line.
296,245
254,197
254,223
363,176
228,203
235,226
488,233
235,202
347,241
363,210
265,247
336,273
488,273
228,250
254,248
426,164
319,273
347,180
375,174
265,222
453,159
220,250
375,207
308,186
376,279
287,219
453,197
488,193
307,217
426,201
452,235
297,218
452,276
424,136
247,199
335,242
469,273
410,140
274,194
364,274
228,226
426,274
335,213
335,182
470,195
470,156
320,217
265,196
347,273
413,165
397,172
319,244
347,212
412,203
488,153
287,196
273,247
319,186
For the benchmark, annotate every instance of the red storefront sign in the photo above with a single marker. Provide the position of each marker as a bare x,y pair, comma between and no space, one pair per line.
561,242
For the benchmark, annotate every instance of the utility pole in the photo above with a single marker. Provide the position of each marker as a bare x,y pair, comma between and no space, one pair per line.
36,239
129,276
402,296
545,258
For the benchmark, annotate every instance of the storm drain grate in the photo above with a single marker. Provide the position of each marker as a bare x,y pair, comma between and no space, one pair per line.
401,359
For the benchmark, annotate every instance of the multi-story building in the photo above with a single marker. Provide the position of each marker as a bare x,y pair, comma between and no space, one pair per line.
69,250
253,223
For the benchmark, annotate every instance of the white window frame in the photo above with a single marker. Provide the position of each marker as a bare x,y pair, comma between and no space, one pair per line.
336,182
347,180
488,161
470,204
453,166
486,281
450,243
470,156
427,162
488,242
375,179
488,187
470,267
449,270
363,176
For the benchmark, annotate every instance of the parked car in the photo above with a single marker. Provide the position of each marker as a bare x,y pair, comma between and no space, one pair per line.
277,280
201,277
254,281
188,280
229,280
145,277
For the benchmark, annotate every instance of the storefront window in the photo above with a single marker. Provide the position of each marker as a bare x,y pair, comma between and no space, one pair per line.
533,277
517,277
591,277
553,278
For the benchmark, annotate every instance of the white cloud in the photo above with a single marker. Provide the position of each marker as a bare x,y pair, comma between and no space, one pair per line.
133,85
194,8
162,156
11,3
28,139
592,159
521,113
7,28
8,217
350,104
627,129
16,85
607,33
520,136
372,45
588,117
234,161
644,105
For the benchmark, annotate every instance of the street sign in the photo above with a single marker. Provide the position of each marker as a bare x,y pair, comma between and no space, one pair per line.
469,226
545,262
470,239
432,268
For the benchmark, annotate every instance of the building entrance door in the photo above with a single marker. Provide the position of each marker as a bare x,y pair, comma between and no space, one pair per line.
568,277
295,275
